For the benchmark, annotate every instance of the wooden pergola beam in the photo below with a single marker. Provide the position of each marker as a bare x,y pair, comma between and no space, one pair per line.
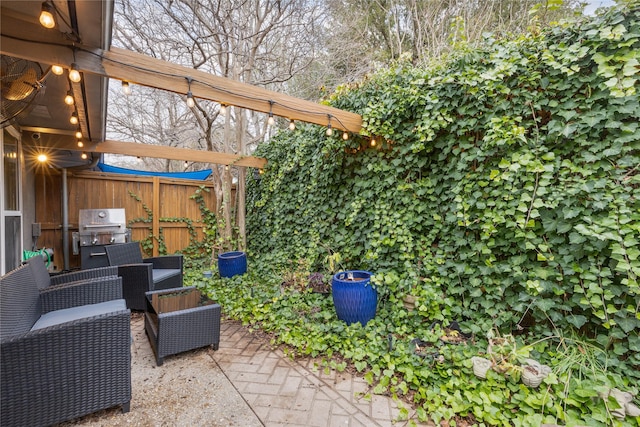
161,152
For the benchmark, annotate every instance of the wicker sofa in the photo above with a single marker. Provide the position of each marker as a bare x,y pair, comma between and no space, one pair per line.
140,275
65,349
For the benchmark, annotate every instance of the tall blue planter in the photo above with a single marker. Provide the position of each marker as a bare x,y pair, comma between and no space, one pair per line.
232,263
354,300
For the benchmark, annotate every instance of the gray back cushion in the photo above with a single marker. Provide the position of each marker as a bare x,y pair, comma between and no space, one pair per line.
40,272
20,304
124,253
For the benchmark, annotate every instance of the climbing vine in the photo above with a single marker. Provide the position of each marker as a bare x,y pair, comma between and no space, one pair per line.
502,190
198,250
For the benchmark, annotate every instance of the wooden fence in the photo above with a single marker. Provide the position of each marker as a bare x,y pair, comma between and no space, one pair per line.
151,206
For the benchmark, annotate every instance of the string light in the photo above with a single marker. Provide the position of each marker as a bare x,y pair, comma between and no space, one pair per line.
73,119
57,70
69,98
78,134
80,144
74,74
373,142
84,156
345,135
46,16
186,164
271,120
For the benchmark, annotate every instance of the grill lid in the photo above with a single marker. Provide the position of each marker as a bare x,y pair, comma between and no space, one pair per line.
100,227
112,220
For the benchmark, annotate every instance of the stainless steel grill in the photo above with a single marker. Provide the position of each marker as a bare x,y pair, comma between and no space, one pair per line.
96,229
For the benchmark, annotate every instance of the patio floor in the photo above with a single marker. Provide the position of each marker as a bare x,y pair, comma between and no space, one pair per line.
244,383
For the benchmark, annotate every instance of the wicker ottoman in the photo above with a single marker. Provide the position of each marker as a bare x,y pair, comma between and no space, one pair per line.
180,319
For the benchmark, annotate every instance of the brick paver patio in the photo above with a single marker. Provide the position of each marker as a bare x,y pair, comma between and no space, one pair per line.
282,391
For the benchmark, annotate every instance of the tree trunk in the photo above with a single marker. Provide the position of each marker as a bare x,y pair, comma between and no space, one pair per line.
241,186
226,230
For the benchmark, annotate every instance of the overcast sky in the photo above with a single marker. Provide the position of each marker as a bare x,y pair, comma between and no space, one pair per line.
592,5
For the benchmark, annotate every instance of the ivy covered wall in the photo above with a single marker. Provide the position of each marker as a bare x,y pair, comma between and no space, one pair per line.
503,189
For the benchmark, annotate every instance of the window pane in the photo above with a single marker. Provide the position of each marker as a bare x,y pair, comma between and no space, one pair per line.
11,170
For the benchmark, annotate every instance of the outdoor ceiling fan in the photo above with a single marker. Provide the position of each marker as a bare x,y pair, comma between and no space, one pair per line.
21,81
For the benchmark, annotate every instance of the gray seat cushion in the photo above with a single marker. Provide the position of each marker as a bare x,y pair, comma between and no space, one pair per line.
161,274
76,313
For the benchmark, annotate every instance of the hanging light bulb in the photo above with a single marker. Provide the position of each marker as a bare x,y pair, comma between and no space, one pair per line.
271,120
42,158
345,135
46,16
292,125
373,142
329,130
73,119
223,110
74,74
186,164
57,70
69,98
80,144
190,101
84,156
126,89
78,134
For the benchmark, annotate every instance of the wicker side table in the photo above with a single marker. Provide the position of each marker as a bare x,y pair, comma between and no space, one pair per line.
180,319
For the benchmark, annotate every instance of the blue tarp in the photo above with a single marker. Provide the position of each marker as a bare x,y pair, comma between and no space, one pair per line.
198,175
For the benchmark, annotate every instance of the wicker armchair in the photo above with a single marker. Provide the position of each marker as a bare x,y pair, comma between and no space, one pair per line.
143,275
65,350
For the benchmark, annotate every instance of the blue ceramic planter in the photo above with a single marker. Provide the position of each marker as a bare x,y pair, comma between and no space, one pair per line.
354,297
232,263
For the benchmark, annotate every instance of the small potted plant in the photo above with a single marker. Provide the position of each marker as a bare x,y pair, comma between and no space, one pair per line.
505,353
